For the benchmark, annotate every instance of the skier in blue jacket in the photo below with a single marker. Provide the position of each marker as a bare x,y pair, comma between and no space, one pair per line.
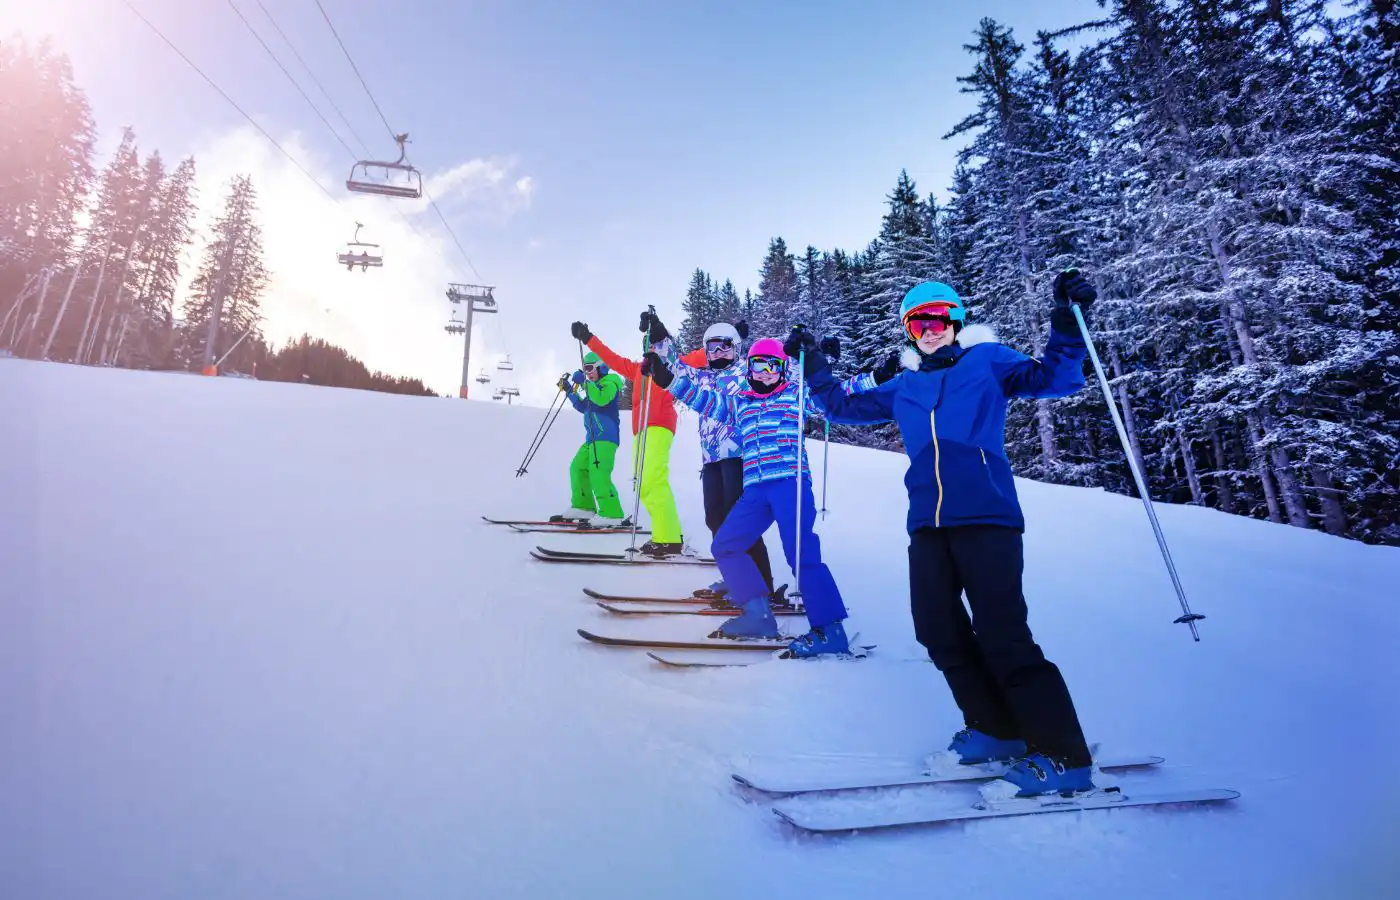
965,523
764,415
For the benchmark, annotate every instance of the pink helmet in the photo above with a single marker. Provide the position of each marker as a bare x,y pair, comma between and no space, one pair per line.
767,347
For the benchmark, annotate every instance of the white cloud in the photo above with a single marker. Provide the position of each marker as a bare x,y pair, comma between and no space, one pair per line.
391,318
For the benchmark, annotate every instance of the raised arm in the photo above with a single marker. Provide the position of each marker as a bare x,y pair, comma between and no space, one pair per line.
680,365
709,403
620,364
1060,370
1058,373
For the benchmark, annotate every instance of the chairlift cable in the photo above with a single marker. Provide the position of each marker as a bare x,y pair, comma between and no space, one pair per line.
273,56
312,75
325,15
230,100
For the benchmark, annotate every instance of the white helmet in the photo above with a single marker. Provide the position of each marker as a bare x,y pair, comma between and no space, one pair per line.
721,330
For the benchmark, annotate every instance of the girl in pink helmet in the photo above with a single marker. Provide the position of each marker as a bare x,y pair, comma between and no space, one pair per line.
765,419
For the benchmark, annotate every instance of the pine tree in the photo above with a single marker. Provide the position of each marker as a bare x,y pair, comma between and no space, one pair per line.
771,310
46,142
700,308
226,291
145,332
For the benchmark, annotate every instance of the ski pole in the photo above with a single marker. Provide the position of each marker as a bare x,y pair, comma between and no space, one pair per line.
826,459
546,434
1187,618
540,433
640,461
801,410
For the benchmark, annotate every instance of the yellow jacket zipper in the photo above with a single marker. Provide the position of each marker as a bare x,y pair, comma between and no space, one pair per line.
937,472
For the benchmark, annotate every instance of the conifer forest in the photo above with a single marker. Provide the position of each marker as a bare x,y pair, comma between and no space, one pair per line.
1226,172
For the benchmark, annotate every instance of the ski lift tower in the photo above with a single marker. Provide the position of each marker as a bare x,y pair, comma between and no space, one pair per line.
479,300
507,393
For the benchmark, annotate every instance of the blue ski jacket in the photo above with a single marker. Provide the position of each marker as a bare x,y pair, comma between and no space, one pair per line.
951,411
598,401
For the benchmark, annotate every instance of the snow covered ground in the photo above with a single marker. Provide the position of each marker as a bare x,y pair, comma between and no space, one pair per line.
255,642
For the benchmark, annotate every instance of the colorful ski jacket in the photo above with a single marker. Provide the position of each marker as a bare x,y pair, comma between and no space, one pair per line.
765,424
663,410
951,412
718,439
598,401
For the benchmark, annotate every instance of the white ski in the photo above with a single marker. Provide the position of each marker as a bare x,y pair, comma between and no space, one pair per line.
865,816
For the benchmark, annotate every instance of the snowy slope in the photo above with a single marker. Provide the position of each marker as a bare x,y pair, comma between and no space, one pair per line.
256,642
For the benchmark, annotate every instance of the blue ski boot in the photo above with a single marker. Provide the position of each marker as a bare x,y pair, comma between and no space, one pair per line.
755,620
974,748
1038,774
820,641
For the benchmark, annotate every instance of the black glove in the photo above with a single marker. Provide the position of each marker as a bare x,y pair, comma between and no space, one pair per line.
831,347
887,369
800,340
580,332
1071,287
653,366
656,332
743,328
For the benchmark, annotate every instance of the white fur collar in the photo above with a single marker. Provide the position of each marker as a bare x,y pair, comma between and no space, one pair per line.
968,336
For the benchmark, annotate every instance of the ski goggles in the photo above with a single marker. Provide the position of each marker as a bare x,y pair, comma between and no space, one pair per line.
590,368
719,345
763,365
920,323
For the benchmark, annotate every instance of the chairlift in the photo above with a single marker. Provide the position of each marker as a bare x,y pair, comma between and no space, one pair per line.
363,258
387,179
505,365
483,378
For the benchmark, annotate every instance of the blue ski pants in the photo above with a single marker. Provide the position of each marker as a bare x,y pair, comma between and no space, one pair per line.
758,507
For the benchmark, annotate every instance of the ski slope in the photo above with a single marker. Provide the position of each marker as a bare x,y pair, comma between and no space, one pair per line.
256,642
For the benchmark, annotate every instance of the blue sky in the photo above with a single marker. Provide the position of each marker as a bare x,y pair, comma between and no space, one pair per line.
617,145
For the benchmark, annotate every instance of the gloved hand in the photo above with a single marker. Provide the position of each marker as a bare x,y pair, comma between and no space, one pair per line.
831,346
655,368
742,327
800,341
1071,287
888,369
656,332
579,377
580,332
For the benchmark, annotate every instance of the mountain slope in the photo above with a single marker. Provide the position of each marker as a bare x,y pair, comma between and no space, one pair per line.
256,641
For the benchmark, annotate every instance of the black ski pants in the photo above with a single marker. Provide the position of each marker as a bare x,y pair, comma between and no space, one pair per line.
722,482
999,677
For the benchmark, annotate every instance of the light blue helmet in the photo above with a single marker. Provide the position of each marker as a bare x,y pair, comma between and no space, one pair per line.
936,296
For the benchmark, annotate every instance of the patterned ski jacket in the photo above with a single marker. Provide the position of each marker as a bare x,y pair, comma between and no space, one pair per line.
766,425
951,412
598,401
718,439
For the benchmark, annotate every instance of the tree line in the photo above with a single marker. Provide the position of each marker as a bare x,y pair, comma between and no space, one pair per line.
91,261
1228,173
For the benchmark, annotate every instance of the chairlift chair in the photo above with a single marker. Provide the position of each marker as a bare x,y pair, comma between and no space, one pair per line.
505,365
362,258
483,378
387,179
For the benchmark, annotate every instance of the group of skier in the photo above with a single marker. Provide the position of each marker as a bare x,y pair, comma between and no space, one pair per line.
947,392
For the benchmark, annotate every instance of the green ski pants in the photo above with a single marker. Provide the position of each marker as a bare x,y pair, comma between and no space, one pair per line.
592,484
